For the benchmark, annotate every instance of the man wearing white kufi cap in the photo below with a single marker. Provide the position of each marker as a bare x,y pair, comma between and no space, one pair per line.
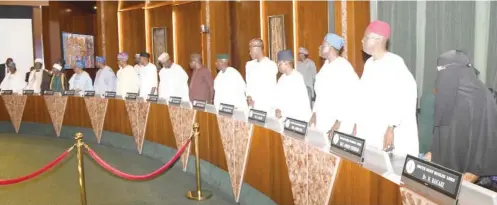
127,77
173,79
37,77
307,68
13,80
58,82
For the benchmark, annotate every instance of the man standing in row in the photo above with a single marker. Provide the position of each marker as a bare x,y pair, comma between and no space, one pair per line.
105,80
127,77
39,79
229,85
173,79
13,80
335,84
307,68
80,81
201,87
387,96
148,76
261,77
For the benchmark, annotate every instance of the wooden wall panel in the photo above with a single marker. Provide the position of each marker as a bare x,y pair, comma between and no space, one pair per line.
133,31
108,35
245,26
187,31
116,118
79,114
37,32
4,115
312,26
51,34
220,37
271,8
266,168
357,19
162,17
211,145
36,110
159,127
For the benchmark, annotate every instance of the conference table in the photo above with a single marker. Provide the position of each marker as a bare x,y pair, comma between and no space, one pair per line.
286,169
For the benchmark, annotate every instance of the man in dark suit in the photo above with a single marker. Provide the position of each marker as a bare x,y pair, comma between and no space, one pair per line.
3,68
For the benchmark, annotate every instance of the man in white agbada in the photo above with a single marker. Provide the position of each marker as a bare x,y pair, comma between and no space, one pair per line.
105,80
386,114
137,64
261,78
291,94
127,77
173,79
80,81
35,77
335,84
229,86
13,80
148,76
307,68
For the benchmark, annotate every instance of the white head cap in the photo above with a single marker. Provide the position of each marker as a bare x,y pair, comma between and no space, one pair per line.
57,67
163,57
39,60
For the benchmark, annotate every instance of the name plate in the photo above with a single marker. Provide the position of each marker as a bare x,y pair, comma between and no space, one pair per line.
296,127
226,109
199,104
89,93
175,100
257,116
347,146
152,98
68,93
131,96
28,92
110,94
48,92
440,179
7,92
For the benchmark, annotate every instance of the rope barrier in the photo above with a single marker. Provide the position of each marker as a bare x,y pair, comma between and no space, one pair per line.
123,175
38,172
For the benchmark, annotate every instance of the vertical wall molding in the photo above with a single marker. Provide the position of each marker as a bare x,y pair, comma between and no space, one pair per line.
373,10
343,13
331,16
482,28
420,45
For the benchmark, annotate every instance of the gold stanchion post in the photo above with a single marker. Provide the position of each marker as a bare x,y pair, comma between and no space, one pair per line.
81,171
198,194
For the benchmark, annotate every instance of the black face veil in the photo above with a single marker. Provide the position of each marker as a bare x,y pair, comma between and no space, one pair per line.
465,120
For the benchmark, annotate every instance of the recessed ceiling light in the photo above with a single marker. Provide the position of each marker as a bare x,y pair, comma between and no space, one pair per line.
95,7
68,10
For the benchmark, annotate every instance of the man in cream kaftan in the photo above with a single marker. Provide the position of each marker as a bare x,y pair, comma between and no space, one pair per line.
291,93
335,85
173,79
127,77
105,80
229,86
386,110
80,81
261,78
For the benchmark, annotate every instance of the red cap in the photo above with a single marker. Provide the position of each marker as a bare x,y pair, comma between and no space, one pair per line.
379,27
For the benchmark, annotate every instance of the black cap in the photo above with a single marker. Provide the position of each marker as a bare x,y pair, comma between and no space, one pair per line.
144,54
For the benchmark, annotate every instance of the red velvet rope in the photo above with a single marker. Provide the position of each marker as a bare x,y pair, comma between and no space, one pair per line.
38,172
123,175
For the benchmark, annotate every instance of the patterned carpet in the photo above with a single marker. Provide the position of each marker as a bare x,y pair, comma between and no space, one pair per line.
20,155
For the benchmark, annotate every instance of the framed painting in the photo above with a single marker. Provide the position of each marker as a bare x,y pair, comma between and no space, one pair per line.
276,35
159,42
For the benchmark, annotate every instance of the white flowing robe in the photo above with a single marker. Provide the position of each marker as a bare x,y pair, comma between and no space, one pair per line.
127,81
173,82
148,79
308,70
335,85
80,82
261,83
229,88
105,80
291,97
386,96
34,81
14,82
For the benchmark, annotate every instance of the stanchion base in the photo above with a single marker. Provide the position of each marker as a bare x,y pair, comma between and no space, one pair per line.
198,196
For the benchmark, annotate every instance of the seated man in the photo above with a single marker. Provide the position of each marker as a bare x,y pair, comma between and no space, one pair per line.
291,93
229,86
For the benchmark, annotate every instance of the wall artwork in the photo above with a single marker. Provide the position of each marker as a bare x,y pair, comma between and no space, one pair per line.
276,35
159,42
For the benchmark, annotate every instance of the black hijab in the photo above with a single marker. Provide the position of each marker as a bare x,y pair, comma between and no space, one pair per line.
465,119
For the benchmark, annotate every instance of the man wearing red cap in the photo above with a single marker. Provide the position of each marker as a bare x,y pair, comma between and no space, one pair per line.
386,114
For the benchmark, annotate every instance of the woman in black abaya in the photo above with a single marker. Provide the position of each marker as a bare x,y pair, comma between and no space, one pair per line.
465,121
